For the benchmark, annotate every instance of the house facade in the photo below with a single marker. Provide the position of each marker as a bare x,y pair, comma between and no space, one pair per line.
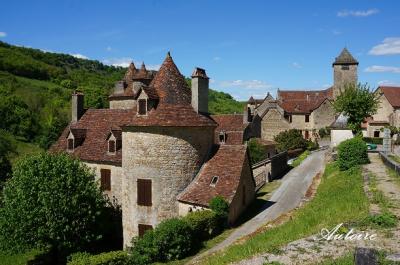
155,151
305,110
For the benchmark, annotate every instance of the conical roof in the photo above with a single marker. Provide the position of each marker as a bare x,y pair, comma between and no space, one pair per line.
345,57
170,84
130,72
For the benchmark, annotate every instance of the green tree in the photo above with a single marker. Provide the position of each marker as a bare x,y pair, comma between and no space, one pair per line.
257,151
290,140
357,103
51,201
7,147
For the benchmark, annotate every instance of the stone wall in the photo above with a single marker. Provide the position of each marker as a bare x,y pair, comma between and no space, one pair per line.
122,104
342,77
246,185
279,165
338,136
323,116
385,110
115,194
185,208
272,124
170,157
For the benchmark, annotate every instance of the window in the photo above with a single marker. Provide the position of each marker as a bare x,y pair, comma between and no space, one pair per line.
307,118
214,181
306,134
288,117
144,192
71,144
345,67
105,179
142,107
376,133
111,146
222,137
143,229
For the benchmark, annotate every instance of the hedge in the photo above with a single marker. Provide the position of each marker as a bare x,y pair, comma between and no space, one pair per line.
371,140
351,153
107,258
204,224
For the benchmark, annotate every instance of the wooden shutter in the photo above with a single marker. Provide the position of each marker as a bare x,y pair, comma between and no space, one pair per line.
111,146
142,107
70,144
105,179
143,228
144,192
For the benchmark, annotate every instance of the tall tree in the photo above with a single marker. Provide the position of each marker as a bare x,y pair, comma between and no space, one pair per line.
357,102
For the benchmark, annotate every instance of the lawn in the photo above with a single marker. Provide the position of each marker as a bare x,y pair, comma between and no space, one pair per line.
395,158
340,198
17,259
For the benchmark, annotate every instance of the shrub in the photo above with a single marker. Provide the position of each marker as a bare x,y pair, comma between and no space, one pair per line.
289,140
172,239
384,220
107,258
352,152
220,206
373,140
257,151
323,132
204,223
312,145
51,201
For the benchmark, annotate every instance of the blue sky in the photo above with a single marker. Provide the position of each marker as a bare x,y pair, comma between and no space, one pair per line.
247,47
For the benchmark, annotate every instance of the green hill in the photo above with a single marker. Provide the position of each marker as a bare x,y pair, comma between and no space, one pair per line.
36,87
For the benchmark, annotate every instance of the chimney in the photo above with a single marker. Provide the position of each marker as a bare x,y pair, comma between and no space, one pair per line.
77,106
200,90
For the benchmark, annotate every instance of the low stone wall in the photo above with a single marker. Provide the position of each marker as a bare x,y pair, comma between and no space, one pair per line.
270,169
390,163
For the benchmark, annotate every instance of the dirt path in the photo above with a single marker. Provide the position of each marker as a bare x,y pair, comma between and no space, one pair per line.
311,251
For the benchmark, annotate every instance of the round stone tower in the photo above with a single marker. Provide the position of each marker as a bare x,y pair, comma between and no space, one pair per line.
162,151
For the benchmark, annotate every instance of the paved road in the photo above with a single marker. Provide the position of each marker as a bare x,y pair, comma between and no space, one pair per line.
287,197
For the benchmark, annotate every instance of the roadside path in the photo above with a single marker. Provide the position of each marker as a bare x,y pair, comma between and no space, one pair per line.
286,198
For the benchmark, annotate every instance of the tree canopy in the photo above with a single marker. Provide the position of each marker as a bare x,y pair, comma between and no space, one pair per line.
357,103
51,201
290,140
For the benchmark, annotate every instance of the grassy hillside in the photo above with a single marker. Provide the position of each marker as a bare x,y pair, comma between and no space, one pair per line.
36,87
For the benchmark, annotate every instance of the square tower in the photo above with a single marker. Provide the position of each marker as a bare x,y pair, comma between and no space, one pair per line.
344,72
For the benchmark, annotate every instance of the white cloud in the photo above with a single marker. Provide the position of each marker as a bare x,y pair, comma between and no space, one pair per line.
217,59
3,34
389,46
125,61
250,84
388,83
357,13
297,65
382,69
80,56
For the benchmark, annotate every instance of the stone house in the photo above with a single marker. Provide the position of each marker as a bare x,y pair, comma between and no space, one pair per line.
305,110
388,112
155,151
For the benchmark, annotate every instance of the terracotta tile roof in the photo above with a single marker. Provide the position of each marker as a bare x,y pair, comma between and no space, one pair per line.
392,94
303,101
229,122
345,57
377,122
227,164
171,115
170,84
97,124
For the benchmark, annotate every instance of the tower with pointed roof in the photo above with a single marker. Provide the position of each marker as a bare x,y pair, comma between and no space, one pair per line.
344,72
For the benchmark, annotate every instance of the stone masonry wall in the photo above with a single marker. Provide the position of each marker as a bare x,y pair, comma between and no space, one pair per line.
323,116
342,77
170,157
384,110
123,104
116,180
272,124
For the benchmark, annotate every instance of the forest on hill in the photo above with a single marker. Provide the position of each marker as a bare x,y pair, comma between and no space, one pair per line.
35,94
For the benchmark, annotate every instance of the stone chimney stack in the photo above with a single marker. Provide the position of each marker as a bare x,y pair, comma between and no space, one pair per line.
200,90
77,105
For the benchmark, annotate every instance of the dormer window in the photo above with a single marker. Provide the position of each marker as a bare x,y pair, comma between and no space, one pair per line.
111,146
70,146
214,181
142,106
222,137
